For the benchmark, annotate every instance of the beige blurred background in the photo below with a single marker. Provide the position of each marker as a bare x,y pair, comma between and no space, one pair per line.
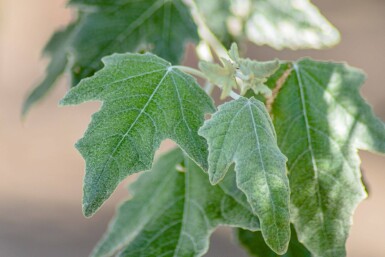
41,172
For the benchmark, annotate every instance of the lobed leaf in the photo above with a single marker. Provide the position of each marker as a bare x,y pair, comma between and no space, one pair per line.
173,213
321,120
110,26
145,100
241,132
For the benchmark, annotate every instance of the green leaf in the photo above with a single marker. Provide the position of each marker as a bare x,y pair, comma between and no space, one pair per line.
256,246
216,14
241,132
111,26
145,100
321,119
172,213
57,49
289,23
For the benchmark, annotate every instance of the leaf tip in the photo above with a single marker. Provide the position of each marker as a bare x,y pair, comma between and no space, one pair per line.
88,209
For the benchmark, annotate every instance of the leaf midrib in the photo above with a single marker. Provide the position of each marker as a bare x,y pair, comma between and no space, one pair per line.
111,156
310,146
263,168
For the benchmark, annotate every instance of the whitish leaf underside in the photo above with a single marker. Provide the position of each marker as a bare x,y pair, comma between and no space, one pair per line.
289,23
241,132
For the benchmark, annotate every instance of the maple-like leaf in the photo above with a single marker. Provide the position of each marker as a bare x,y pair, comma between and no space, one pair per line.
173,212
119,26
145,100
241,132
321,120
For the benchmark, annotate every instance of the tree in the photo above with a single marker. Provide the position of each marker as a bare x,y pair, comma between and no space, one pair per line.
277,161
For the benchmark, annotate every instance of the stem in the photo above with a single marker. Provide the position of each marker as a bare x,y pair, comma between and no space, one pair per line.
191,71
204,52
209,87
200,74
234,95
204,32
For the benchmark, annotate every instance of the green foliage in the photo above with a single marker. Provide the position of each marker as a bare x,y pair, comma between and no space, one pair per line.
162,27
145,100
283,150
289,23
175,217
57,49
216,14
321,120
259,164
255,245
250,74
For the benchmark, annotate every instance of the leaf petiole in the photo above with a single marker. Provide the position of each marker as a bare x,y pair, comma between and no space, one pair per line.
200,74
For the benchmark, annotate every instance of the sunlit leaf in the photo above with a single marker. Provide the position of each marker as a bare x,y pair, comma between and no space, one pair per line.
321,120
241,132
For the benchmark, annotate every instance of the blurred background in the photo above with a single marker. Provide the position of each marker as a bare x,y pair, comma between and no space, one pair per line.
41,172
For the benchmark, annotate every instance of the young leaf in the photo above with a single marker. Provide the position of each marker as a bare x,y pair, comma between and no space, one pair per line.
145,100
289,23
256,246
172,213
221,76
110,26
252,74
321,119
57,49
242,132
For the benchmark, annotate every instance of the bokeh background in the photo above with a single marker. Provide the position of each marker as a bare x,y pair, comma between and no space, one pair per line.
41,172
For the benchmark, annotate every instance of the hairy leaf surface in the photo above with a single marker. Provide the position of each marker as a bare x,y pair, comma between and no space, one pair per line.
241,132
57,50
111,26
145,100
256,246
289,23
173,213
321,119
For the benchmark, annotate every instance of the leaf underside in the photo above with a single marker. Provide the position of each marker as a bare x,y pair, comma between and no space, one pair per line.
173,213
291,24
145,100
110,26
241,132
321,120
